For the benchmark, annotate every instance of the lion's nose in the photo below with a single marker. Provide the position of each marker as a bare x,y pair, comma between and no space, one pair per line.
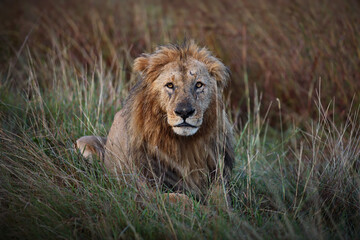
184,111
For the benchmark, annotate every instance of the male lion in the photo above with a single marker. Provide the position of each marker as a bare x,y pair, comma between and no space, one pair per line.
173,128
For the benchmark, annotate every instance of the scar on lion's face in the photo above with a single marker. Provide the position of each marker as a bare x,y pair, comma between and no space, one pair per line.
183,89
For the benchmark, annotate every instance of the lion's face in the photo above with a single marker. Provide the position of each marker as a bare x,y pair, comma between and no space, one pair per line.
184,90
184,81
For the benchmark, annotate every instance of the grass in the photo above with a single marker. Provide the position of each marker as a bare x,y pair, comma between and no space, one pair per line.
65,70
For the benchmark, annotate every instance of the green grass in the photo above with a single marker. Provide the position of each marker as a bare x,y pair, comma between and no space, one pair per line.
65,71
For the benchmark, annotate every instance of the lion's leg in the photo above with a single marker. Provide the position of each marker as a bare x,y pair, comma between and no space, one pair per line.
176,198
219,197
91,145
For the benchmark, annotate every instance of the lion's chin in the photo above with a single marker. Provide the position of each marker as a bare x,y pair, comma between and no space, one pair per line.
185,131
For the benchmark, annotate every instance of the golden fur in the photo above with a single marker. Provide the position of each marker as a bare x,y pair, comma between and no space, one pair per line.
145,136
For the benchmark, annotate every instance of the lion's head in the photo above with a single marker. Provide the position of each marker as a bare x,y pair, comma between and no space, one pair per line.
185,81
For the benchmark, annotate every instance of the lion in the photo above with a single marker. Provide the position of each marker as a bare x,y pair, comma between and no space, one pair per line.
173,128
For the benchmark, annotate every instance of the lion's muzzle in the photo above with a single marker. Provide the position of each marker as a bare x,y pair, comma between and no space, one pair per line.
184,110
187,126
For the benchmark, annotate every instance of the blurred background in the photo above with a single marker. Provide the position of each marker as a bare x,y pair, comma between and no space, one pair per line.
295,50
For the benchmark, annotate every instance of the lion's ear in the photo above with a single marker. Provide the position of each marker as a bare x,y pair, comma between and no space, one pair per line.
141,63
219,71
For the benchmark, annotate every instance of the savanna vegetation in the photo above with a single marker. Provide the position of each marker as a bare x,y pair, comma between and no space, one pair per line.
65,69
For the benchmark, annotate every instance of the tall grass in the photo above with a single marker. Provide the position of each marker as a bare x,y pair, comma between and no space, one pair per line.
67,69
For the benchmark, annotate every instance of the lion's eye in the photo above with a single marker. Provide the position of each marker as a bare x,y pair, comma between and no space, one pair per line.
170,85
199,84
